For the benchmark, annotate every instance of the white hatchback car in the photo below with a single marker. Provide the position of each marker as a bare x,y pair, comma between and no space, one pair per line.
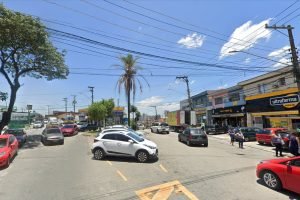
124,143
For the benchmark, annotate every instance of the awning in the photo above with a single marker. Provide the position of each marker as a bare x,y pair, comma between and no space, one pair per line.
288,112
230,115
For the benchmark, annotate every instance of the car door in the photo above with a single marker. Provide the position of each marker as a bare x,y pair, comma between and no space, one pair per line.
124,147
293,176
13,145
185,135
110,143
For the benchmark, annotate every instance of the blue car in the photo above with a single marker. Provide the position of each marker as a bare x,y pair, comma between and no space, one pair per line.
20,134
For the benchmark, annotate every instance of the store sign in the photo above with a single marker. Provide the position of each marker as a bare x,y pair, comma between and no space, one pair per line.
289,101
229,110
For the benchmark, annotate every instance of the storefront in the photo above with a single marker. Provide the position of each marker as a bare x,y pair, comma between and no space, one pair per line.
230,116
277,109
201,115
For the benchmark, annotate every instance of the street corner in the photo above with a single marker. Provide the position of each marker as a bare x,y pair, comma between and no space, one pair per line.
170,190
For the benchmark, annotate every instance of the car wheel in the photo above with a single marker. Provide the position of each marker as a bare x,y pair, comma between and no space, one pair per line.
271,180
99,154
259,142
142,156
157,131
8,162
151,130
188,143
62,142
206,145
179,140
246,139
168,132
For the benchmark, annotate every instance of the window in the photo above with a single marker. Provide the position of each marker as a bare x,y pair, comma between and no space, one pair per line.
234,97
109,137
281,81
11,139
261,88
122,138
218,100
296,163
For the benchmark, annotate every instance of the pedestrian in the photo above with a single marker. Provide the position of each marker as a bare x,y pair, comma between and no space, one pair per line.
231,134
240,137
278,142
294,144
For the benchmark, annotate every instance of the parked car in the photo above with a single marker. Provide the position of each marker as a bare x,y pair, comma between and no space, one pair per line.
215,129
118,126
38,124
8,149
248,132
4,129
69,129
80,124
20,134
141,126
52,136
264,136
193,136
89,127
46,121
280,173
158,127
107,130
124,144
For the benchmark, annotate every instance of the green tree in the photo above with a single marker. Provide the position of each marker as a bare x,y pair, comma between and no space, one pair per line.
109,105
129,79
25,50
97,111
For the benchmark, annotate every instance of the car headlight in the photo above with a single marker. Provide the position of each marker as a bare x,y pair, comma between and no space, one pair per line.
151,147
2,154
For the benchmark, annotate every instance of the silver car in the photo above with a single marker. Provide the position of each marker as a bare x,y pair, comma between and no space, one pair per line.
52,136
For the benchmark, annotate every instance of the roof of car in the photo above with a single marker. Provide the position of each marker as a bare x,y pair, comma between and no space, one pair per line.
4,136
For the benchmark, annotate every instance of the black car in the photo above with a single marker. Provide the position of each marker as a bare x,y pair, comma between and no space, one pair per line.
215,129
89,127
248,132
193,136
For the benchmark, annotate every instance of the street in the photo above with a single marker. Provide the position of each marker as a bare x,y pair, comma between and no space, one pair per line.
69,172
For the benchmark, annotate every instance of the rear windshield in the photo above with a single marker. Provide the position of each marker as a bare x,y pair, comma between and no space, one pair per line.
68,126
14,132
197,132
265,131
3,142
52,131
164,124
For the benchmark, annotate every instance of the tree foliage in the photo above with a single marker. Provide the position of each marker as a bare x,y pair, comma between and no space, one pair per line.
101,110
25,50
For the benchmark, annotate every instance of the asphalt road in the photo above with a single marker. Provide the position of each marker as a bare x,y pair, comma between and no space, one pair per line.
69,172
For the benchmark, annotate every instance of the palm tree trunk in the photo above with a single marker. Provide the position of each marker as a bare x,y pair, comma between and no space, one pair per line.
128,106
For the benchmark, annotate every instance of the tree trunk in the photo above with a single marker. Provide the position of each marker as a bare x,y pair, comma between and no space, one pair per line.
128,106
7,114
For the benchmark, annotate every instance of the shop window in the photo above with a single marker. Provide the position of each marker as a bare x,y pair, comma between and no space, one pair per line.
218,100
234,97
261,88
281,81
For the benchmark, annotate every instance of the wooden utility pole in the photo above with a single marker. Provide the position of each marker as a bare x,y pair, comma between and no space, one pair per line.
92,91
186,79
74,102
66,104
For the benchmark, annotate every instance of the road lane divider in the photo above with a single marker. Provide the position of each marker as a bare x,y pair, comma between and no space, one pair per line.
163,168
109,162
122,175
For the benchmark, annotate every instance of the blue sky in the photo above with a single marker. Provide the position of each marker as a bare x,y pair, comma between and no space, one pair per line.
199,31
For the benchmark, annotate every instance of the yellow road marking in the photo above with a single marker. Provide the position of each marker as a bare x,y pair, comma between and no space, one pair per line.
109,162
123,177
163,168
164,191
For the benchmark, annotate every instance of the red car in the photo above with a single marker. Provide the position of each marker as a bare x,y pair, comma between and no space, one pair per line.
280,173
8,149
69,129
265,135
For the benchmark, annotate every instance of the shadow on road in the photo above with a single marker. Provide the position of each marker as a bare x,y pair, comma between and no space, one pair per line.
127,159
291,195
11,161
32,142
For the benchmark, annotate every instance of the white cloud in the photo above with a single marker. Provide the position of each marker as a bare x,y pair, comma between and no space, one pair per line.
281,62
247,60
192,41
279,53
245,37
152,101
192,82
223,86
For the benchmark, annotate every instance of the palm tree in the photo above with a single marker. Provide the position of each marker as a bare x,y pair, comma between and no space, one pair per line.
129,79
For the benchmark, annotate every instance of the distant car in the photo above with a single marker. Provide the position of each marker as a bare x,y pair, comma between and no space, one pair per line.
38,124
280,173
124,144
264,136
52,136
158,127
248,132
8,149
118,126
89,127
193,136
215,129
69,129
81,124
45,121
141,126
20,134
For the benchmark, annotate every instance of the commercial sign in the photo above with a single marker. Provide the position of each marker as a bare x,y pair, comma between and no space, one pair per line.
288,101
229,110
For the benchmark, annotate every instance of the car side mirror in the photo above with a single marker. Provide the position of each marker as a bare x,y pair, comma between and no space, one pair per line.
288,163
131,141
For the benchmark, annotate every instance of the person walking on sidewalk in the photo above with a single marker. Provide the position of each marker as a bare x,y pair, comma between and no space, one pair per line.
231,134
240,137
294,144
278,142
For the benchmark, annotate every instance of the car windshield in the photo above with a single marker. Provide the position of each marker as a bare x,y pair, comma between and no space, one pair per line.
197,132
3,142
53,131
265,131
164,124
135,136
68,126
15,132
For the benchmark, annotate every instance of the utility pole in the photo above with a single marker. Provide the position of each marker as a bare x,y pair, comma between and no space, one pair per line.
293,51
74,102
92,91
66,104
155,111
48,109
186,79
